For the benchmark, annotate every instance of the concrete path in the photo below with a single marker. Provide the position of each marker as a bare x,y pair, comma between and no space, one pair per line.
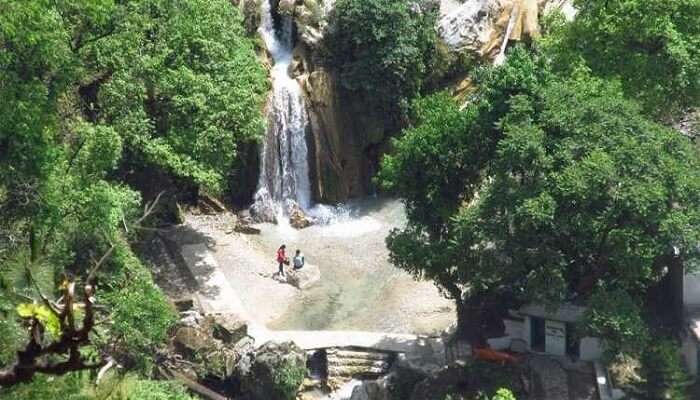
215,294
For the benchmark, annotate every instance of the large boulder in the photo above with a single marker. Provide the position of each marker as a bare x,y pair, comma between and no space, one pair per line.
305,277
206,356
229,328
482,28
273,372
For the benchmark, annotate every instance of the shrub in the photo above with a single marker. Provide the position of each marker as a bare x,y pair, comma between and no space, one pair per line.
141,315
156,390
288,378
66,387
663,374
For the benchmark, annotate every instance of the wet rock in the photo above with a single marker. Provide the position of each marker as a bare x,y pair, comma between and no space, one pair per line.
273,372
191,318
286,7
345,130
246,229
210,205
281,278
298,218
250,9
184,304
263,209
305,277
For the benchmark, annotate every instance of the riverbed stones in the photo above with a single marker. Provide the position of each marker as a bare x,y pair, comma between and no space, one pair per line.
228,328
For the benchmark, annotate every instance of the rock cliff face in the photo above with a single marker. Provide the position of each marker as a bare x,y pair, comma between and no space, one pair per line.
347,136
483,28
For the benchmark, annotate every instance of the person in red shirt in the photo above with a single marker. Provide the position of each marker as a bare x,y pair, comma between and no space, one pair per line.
281,259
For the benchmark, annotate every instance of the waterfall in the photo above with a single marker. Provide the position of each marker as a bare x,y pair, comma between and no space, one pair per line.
284,167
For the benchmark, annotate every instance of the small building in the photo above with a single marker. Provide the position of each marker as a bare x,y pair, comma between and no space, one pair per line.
552,332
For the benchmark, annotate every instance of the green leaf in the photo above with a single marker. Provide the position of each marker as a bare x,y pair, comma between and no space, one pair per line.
43,314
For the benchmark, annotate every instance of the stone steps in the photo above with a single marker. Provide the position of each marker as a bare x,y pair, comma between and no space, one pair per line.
346,364
362,355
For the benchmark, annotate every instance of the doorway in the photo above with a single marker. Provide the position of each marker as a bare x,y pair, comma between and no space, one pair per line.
537,334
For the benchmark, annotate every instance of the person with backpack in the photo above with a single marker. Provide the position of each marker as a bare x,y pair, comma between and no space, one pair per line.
282,259
298,260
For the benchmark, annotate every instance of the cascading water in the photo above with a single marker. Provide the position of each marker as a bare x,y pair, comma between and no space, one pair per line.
284,174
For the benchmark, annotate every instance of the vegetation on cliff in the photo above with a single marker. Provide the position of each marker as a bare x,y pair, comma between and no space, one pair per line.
91,91
384,49
651,46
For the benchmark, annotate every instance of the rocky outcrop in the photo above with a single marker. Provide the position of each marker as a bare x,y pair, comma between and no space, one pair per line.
203,347
483,28
298,218
250,9
347,137
273,372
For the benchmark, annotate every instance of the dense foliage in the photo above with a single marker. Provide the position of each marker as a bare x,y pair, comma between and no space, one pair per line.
78,386
546,188
92,90
651,46
383,49
184,86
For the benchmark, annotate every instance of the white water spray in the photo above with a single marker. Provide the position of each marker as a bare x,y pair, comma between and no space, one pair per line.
284,176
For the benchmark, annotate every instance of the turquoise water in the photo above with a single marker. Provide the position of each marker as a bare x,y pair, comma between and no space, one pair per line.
359,289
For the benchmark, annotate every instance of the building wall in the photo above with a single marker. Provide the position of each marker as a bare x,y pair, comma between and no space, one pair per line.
526,332
691,289
591,349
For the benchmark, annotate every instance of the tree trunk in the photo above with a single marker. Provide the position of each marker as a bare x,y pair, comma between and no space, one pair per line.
469,316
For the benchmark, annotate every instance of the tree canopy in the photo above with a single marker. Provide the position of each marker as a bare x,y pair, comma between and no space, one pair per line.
91,90
382,48
545,188
651,46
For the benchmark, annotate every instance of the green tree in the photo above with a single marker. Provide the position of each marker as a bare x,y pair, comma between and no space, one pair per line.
544,189
651,46
185,86
382,48
91,89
